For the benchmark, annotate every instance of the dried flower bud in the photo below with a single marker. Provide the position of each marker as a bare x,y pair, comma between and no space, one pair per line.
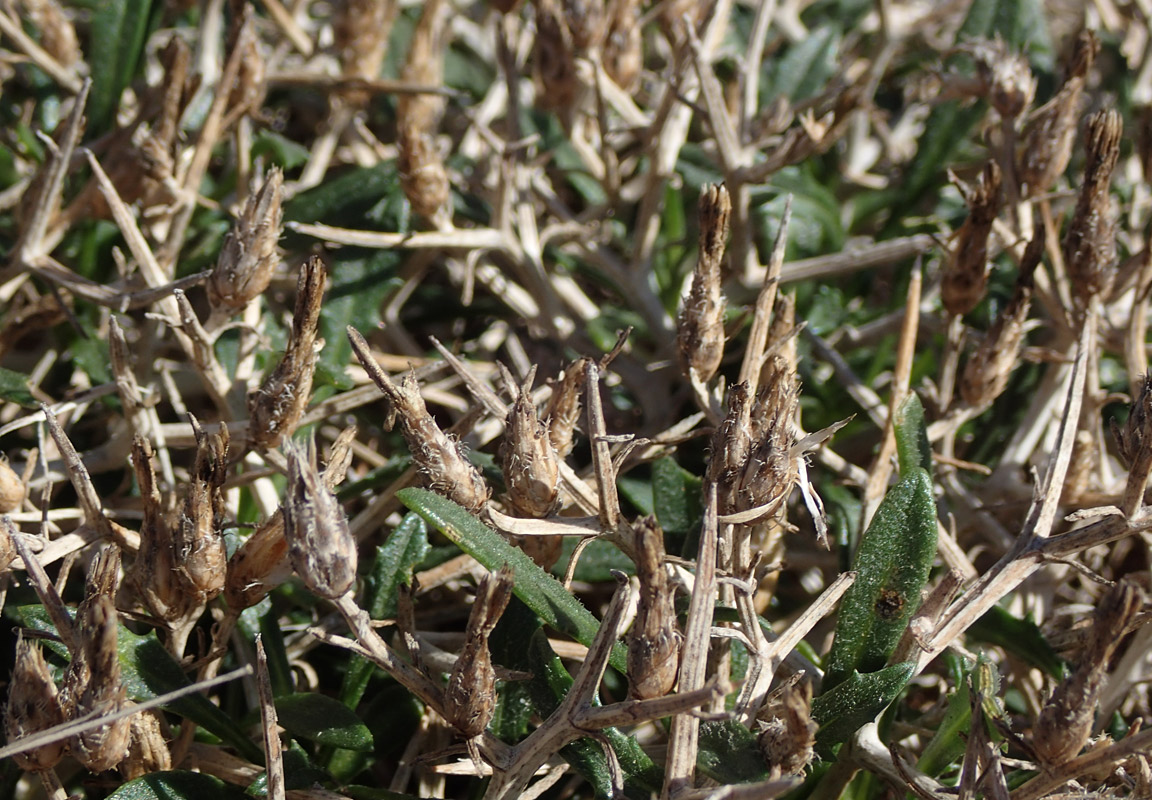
1065,722
153,574
965,279
554,56
1090,244
275,408
1048,136
248,258
788,733
585,22
987,372
624,45
320,545
730,446
57,35
563,412
531,469
33,706
1136,435
770,472
147,747
102,748
470,697
198,542
701,328
422,174
439,457
360,29
654,641
1005,77
11,488
261,564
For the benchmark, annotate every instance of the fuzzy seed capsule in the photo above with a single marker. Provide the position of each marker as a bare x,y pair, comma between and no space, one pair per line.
147,748
1136,435
100,749
965,279
788,732
654,641
153,574
275,408
531,469
248,258
730,446
320,545
770,471
198,541
11,488
1090,244
470,697
701,325
33,706
563,411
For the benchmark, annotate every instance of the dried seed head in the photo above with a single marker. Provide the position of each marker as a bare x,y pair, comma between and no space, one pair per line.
248,258
1136,435
102,748
563,412
731,444
654,641
701,325
1048,137
153,574
470,697
320,545
965,279
11,488
585,21
1005,76
275,408
422,174
421,112
1065,722
554,56
198,541
624,45
1090,245
57,36
788,732
770,472
147,747
361,29
262,563
33,706
531,469
439,457
987,372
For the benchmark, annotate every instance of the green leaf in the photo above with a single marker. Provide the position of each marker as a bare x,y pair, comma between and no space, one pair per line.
536,588
729,753
912,446
148,670
892,565
358,288
806,68
299,772
119,29
321,719
858,699
1020,637
676,495
14,388
950,740
176,785
279,150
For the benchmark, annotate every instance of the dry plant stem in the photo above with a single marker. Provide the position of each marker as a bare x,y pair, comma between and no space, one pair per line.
756,348
275,760
81,481
1091,762
68,78
902,372
611,520
683,739
57,611
1022,560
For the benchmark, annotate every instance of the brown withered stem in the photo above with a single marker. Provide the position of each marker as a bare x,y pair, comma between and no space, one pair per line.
654,641
1050,133
275,408
470,697
439,458
701,324
987,372
248,257
965,278
320,545
1090,244
1066,720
